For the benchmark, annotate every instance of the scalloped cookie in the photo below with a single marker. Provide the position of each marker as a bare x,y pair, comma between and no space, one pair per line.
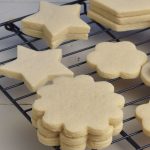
145,74
113,60
56,24
67,112
35,68
143,114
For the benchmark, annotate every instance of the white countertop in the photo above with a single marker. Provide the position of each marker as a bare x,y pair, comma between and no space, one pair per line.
16,133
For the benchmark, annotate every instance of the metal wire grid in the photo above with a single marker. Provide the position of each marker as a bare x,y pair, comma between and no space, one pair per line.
10,26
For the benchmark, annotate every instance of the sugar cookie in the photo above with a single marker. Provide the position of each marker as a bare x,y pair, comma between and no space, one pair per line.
35,68
56,23
113,60
124,8
99,144
143,114
145,74
48,141
114,26
78,96
45,132
120,20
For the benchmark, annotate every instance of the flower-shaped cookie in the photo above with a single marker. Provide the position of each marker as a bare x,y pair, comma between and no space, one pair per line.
78,106
113,60
143,114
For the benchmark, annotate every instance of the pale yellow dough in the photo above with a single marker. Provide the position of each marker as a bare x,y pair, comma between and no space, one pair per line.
114,26
45,132
113,60
80,97
35,68
143,114
99,144
72,141
56,42
124,8
145,74
48,141
120,20
54,22
78,147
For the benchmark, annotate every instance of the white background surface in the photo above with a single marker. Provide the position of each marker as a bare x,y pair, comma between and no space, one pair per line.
16,133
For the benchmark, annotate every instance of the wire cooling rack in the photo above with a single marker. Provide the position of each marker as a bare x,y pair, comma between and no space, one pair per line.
72,50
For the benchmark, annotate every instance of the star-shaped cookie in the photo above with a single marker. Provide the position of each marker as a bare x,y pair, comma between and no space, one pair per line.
35,68
56,23
113,60
143,114
81,107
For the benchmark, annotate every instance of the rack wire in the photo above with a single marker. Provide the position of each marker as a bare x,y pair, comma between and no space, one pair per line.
113,36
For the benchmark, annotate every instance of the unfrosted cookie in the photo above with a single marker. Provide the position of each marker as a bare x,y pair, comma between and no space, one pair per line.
124,8
48,141
72,141
81,98
45,132
78,147
120,20
56,23
143,114
58,41
113,60
99,144
114,26
145,74
35,68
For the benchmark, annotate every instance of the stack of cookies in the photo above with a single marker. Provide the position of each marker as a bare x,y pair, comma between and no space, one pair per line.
56,24
121,15
77,112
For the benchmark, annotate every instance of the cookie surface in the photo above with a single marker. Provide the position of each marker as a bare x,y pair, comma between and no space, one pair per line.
35,68
78,96
124,8
49,27
114,26
113,60
145,74
143,114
